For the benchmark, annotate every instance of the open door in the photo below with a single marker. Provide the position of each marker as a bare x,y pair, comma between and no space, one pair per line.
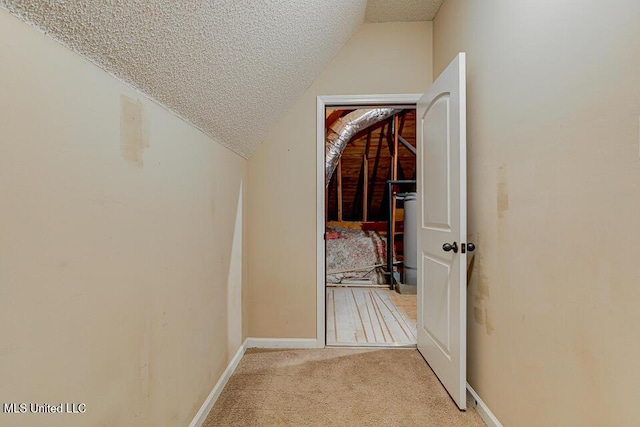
442,228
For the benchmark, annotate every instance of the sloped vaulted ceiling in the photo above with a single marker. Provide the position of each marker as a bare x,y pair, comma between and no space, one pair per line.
401,10
229,67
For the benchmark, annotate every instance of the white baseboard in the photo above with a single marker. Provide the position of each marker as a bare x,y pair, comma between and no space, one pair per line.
282,343
206,407
483,410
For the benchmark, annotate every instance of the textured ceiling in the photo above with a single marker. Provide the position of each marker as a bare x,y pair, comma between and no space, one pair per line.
401,10
229,67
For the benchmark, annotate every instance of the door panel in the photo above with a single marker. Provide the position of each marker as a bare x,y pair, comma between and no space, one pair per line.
436,323
442,201
436,202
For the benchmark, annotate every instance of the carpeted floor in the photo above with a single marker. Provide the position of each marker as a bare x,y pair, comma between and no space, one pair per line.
405,303
336,387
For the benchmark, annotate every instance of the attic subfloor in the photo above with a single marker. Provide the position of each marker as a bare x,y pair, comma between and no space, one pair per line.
358,316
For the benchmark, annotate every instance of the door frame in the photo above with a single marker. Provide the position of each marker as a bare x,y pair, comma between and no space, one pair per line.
322,103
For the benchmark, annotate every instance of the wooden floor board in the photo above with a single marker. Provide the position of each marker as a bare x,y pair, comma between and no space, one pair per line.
367,316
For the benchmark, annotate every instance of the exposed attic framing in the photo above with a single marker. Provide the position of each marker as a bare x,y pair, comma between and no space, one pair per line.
358,191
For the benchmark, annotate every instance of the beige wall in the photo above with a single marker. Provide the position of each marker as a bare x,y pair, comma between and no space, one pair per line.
117,248
379,58
553,102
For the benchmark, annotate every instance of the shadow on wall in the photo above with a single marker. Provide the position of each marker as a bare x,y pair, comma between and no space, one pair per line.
234,284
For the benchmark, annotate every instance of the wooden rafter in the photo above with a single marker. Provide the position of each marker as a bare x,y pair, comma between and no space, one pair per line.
358,196
332,117
340,190
375,166
365,186
365,189
394,176
368,143
402,117
390,133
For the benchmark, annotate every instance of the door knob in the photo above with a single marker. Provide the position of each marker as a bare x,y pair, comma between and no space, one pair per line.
471,247
450,247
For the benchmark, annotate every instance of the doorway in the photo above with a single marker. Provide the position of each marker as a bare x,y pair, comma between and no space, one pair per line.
364,296
441,220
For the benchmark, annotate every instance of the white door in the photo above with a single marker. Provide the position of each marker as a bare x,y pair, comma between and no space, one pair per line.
442,229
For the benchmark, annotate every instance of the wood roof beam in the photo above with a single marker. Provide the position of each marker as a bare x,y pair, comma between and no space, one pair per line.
408,146
376,163
333,117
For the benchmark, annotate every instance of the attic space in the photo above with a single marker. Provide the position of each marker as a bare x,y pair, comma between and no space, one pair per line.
370,186
357,191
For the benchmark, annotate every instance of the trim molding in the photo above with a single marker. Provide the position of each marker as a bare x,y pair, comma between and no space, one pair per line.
483,410
282,343
320,225
321,103
206,407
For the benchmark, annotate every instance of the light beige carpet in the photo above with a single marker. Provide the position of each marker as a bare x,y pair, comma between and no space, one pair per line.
336,387
407,304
